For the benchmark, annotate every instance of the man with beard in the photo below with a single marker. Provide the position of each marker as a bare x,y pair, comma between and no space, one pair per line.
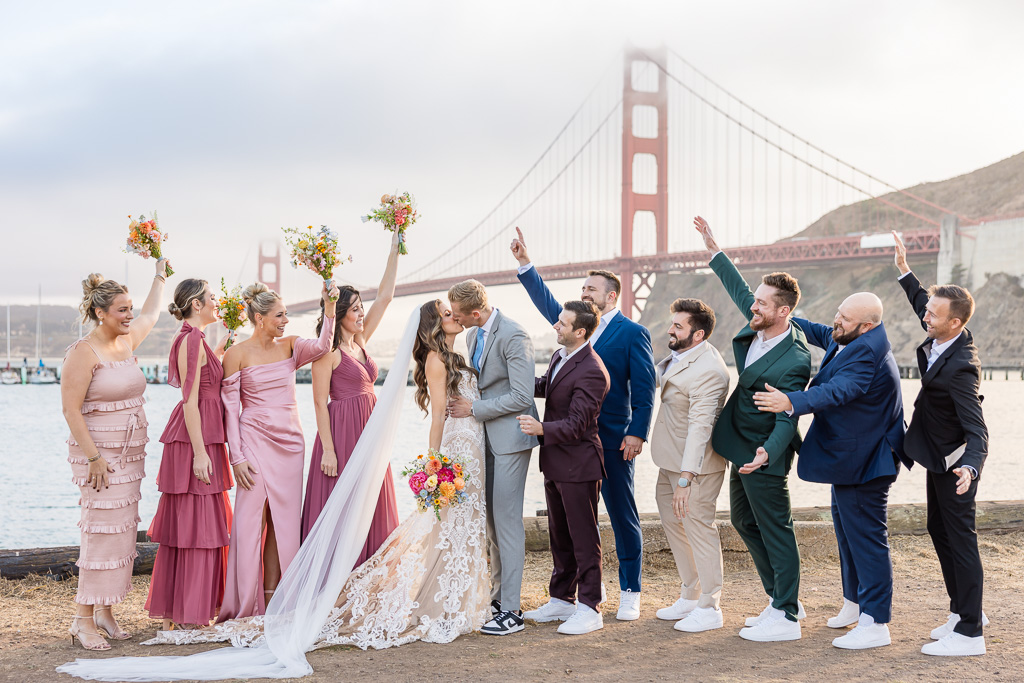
854,443
760,445
625,348
694,383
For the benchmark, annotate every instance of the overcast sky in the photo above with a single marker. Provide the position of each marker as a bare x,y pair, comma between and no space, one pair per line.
234,118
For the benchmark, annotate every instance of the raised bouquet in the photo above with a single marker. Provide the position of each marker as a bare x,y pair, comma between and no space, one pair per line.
317,250
437,481
144,238
231,309
396,212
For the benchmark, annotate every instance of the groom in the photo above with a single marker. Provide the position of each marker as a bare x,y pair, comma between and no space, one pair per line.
502,354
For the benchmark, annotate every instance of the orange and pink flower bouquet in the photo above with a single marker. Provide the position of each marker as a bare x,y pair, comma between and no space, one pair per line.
437,481
396,212
144,238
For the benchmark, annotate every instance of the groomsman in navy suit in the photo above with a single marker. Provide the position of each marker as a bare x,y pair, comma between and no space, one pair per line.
625,348
854,443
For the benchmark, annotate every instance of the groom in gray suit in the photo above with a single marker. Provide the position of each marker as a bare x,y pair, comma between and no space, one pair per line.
502,354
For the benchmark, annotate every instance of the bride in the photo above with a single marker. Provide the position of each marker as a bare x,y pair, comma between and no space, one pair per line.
428,581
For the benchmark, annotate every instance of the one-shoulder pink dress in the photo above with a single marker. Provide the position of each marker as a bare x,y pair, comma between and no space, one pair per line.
262,420
193,519
117,423
351,402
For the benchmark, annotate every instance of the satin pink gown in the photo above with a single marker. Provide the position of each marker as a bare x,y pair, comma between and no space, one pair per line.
351,402
193,519
116,420
262,420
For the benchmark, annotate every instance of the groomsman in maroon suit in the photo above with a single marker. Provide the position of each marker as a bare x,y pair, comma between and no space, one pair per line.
572,460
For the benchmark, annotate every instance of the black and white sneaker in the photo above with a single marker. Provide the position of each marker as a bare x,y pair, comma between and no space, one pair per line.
503,624
495,608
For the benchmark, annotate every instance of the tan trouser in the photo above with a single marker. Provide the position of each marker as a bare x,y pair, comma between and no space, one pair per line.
695,543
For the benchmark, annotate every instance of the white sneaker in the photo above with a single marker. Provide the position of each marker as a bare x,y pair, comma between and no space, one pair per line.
583,620
800,613
955,645
864,637
700,619
629,606
849,614
951,622
773,628
677,611
553,610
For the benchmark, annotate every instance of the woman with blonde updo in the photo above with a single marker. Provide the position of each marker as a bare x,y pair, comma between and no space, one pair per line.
193,518
101,395
344,398
266,447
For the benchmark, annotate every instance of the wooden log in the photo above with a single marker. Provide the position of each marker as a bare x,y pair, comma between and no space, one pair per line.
59,563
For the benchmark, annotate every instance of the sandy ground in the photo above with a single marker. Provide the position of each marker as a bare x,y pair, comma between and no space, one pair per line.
34,616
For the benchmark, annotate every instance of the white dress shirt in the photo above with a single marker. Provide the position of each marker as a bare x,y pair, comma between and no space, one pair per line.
564,358
680,355
760,346
938,349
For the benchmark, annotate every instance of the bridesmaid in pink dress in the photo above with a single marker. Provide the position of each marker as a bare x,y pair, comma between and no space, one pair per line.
266,447
102,397
343,395
194,515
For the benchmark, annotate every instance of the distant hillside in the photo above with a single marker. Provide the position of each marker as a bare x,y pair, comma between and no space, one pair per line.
996,190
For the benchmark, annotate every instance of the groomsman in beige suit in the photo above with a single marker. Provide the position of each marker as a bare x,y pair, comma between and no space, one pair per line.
694,385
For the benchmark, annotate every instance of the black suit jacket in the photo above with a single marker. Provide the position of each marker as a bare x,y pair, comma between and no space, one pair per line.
570,449
947,411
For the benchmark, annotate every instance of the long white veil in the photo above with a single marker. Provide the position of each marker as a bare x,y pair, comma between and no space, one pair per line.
311,585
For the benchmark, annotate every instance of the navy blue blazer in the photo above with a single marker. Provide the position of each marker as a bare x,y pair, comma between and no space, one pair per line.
857,431
625,349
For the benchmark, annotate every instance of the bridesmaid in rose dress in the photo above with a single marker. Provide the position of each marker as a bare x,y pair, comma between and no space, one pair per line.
343,396
194,515
266,448
102,397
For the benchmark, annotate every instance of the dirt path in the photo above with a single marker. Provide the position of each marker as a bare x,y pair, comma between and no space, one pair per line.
34,616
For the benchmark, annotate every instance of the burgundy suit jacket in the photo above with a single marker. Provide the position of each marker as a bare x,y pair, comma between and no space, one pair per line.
570,449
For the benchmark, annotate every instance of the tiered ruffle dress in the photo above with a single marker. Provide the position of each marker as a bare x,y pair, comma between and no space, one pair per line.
352,401
117,423
262,422
193,519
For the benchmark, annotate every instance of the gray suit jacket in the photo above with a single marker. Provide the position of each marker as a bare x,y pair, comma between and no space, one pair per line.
506,385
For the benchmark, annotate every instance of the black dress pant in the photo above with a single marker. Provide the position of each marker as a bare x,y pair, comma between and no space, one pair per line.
952,528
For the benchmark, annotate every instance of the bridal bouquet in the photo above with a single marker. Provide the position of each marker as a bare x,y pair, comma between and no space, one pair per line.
318,250
144,238
231,309
437,481
396,212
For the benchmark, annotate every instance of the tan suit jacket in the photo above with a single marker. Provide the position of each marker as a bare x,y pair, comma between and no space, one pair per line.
693,392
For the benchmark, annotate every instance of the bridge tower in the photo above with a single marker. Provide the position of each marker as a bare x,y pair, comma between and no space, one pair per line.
269,266
637,280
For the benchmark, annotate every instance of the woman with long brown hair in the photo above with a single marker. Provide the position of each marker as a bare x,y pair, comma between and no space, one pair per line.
102,390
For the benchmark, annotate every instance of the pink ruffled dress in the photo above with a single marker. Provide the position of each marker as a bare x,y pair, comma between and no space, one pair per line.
193,519
117,423
351,402
262,420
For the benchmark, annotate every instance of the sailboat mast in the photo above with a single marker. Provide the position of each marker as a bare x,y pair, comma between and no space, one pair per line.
39,325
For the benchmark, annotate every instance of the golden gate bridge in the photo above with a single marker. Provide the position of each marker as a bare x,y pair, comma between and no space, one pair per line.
655,142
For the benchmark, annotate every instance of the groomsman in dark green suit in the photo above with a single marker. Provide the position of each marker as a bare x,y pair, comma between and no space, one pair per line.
770,352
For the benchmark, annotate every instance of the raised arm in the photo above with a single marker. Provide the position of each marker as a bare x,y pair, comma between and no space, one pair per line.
308,350
735,285
385,292
908,281
143,324
540,295
518,355
818,334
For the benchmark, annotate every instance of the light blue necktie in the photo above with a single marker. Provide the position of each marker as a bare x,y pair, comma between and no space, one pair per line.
478,352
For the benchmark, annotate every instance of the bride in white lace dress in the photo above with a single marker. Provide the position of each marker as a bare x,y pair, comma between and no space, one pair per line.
428,581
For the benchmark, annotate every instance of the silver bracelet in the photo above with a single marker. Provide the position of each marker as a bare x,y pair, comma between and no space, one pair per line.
94,458
161,278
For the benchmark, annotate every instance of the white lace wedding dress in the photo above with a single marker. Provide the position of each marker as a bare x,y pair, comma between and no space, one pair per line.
428,581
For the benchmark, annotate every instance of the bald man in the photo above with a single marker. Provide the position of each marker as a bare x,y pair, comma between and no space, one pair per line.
854,443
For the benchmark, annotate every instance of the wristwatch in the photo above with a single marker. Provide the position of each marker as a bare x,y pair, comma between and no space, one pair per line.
683,482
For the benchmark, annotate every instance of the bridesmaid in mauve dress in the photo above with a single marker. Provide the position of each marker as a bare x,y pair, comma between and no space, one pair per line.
346,377
266,448
102,397
193,518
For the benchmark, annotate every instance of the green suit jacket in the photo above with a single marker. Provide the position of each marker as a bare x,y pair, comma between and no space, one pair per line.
742,428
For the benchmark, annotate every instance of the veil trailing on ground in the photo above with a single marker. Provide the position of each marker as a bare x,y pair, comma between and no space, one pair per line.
311,585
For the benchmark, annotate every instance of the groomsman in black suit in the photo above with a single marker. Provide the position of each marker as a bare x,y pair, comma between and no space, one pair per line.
948,437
